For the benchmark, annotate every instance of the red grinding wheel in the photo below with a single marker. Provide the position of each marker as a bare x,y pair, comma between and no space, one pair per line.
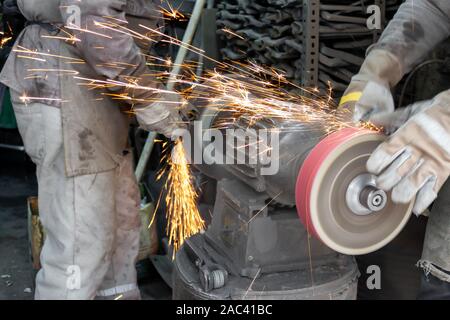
332,178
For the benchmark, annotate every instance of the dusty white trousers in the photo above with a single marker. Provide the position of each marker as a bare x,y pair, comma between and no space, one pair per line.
91,221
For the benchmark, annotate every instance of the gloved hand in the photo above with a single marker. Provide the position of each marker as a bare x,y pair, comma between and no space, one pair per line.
390,122
369,91
415,160
163,116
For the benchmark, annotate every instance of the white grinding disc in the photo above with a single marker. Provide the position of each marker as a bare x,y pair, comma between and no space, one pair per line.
336,161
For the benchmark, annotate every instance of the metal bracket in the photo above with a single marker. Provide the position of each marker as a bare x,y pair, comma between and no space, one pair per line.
310,57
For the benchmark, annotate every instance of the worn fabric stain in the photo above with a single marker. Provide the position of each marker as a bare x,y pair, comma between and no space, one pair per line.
86,149
413,31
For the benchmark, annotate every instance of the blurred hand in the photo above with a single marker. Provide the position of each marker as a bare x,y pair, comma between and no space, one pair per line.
163,116
364,99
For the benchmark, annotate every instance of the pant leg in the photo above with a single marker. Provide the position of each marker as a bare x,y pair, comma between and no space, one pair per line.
78,217
435,259
77,213
432,288
121,279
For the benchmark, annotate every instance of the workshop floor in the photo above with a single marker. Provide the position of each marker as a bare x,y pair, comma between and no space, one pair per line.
16,275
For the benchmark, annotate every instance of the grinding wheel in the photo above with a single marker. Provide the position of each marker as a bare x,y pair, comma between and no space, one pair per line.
337,200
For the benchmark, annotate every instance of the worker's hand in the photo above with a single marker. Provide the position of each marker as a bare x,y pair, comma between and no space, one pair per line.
369,91
364,99
162,116
415,161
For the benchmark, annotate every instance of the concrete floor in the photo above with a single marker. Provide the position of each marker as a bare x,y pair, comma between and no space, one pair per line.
16,274
17,182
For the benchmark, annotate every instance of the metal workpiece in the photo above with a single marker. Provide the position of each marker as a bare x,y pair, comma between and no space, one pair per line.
263,43
326,81
286,68
339,54
277,16
342,18
251,34
294,45
341,74
364,43
279,31
232,54
326,61
297,28
282,54
229,24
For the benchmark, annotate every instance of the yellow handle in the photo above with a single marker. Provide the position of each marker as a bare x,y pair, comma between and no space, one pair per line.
351,97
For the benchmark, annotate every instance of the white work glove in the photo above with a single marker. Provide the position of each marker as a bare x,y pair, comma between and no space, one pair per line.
163,116
415,161
369,91
390,122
